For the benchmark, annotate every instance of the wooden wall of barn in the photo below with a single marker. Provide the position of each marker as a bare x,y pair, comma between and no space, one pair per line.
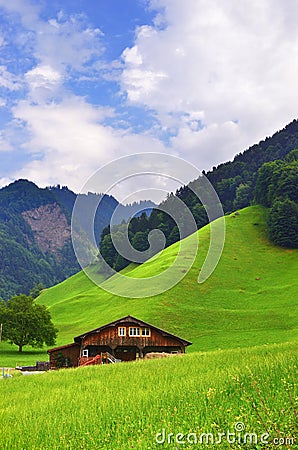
109,337
71,351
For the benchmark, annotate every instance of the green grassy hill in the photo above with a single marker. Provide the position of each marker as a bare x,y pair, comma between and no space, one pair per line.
248,300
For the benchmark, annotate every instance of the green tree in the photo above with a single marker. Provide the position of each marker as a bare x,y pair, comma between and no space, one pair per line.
292,156
268,175
36,290
108,250
26,323
243,195
200,215
140,241
226,190
283,223
174,236
120,263
286,185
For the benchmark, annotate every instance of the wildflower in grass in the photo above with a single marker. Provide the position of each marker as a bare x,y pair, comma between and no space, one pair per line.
210,393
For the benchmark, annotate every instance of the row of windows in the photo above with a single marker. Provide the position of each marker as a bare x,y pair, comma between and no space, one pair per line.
134,331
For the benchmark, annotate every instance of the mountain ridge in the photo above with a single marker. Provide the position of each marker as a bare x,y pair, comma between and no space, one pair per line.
35,234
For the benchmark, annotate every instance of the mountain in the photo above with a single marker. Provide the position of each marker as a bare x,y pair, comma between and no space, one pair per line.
104,212
248,300
35,236
234,182
35,233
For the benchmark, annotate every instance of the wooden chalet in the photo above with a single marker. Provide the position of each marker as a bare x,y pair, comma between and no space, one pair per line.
125,339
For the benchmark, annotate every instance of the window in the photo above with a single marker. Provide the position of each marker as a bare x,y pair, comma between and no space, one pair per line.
134,331
85,352
145,331
121,331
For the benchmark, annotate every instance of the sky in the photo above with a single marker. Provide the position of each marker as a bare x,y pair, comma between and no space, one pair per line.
83,83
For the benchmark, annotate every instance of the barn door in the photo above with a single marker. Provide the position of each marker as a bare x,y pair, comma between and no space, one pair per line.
126,353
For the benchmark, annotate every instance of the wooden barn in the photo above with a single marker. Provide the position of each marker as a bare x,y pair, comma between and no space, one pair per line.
124,339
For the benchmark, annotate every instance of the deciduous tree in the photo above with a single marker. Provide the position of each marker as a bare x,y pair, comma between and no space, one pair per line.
26,323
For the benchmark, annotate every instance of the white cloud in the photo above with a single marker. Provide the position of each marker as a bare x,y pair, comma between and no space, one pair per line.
42,76
5,145
27,10
60,130
8,80
234,62
64,127
67,43
4,181
69,142
218,76
43,83
210,145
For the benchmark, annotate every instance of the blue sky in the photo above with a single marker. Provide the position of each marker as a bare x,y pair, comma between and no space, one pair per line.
85,82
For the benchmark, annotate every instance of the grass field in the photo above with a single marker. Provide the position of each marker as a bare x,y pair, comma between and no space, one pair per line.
126,406
239,373
250,299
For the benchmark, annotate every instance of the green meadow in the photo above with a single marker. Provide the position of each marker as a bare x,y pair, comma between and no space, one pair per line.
204,396
250,299
238,376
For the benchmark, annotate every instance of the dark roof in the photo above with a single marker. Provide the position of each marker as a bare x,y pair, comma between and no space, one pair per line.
135,321
62,347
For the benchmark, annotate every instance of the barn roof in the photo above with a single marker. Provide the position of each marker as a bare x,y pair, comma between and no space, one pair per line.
62,347
133,320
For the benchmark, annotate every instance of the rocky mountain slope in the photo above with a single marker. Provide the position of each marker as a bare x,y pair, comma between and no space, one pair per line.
35,234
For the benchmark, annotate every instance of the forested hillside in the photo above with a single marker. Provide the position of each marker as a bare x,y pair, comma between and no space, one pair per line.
28,255
35,234
234,181
277,188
